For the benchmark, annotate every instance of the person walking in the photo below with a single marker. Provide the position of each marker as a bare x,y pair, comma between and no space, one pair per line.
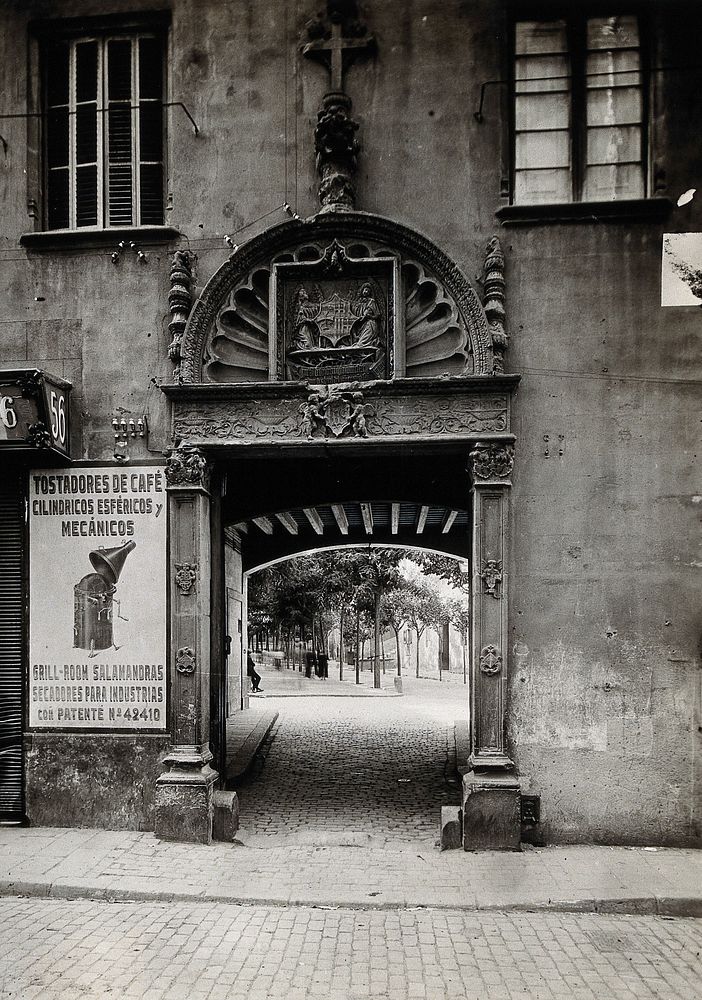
253,674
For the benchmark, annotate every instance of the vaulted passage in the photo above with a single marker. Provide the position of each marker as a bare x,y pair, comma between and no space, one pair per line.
382,499
274,506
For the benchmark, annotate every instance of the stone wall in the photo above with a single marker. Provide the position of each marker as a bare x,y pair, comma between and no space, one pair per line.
93,780
604,697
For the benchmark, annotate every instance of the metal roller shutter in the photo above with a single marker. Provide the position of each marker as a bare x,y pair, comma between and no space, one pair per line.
11,643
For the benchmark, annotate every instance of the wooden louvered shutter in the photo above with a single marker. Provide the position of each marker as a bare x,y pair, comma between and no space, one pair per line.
104,132
11,644
58,142
120,140
150,130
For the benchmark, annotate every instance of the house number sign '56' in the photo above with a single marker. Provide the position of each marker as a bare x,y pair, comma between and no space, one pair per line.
33,410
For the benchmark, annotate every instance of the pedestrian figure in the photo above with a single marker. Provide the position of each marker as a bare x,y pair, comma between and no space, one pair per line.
253,674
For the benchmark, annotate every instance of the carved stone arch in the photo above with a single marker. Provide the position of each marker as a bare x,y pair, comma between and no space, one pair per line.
446,330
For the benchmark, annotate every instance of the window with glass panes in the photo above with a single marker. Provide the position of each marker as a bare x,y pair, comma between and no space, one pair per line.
578,110
104,132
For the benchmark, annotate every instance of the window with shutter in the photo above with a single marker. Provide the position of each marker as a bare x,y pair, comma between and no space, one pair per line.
104,132
578,112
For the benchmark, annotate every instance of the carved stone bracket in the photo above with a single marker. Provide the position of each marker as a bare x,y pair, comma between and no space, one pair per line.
337,152
180,301
491,575
185,576
494,301
185,660
490,660
492,461
186,466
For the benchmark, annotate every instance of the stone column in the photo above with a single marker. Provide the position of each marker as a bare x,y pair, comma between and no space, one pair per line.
184,792
491,803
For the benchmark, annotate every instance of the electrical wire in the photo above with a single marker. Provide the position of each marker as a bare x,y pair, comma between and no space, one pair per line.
206,243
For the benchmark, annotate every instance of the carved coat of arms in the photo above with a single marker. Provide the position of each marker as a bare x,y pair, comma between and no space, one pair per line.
335,318
334,412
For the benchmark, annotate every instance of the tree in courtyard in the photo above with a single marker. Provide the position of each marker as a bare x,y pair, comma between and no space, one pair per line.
377,572
424,609
395,611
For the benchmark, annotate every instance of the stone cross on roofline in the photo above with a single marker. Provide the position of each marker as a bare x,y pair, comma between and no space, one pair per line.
334,41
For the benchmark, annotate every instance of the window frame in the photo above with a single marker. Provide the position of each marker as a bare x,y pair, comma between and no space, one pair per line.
42,35
575,17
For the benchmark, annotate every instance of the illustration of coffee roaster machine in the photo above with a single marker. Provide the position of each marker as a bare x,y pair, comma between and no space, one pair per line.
94,599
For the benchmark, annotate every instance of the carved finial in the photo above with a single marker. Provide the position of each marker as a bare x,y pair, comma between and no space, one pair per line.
494,298
180,301
335,39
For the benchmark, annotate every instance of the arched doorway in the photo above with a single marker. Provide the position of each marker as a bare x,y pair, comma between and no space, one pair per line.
341,361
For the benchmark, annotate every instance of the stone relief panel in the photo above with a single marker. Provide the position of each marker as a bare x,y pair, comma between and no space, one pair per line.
337,412
437,341
334,318
439,415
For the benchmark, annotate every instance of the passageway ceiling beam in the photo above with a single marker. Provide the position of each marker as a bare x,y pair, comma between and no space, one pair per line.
315,520
340,517
280,534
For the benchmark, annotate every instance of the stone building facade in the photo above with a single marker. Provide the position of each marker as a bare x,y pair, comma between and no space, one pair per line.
290,305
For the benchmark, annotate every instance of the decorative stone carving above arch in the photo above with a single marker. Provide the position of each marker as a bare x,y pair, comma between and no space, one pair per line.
441,324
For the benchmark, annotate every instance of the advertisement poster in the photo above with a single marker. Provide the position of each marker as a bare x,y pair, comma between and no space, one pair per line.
97,598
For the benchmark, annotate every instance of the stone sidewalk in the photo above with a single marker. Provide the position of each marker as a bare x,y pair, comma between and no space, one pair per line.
350,871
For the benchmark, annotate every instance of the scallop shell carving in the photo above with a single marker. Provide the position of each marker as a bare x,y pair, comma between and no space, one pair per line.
437,342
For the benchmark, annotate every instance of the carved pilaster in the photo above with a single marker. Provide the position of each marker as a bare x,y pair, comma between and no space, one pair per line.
184,792
494,301
491,466
180,301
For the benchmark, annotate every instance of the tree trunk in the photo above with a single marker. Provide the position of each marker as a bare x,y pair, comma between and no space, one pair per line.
418,637
397,647
358,647
376,638
341,645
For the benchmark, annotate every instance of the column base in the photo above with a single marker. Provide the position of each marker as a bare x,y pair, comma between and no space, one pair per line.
483,762
491,812
184,800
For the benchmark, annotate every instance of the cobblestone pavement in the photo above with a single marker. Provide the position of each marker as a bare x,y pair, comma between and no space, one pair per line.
358,766
62,951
